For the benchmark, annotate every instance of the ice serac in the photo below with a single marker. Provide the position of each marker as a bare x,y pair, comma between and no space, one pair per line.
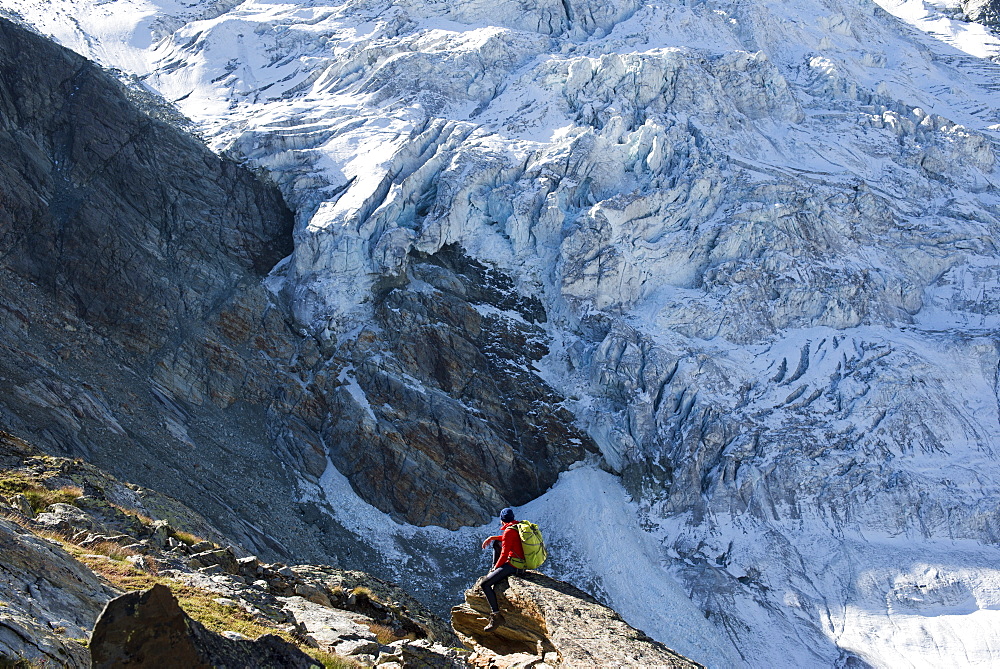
763,236
986,12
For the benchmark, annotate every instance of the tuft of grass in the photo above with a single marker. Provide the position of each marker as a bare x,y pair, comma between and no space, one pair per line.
21,522
386,635
110,549
122,575
186,537
17,482
201,605
331,661
40,498
362,593
141,517
13,482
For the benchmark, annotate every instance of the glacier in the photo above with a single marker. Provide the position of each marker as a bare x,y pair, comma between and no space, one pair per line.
765,235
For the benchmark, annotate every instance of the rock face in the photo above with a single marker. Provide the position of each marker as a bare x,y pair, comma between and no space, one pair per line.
554,623
50,600
131,260
134,225
455,421
142,629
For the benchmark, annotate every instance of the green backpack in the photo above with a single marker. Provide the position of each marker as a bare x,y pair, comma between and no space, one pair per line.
532,544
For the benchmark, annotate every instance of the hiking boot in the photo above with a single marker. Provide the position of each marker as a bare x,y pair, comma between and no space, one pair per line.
496,620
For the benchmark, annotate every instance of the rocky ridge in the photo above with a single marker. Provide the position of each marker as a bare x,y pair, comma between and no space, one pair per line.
65,564
62,563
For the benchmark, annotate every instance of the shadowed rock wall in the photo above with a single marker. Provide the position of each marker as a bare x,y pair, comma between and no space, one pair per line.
138,227
134,326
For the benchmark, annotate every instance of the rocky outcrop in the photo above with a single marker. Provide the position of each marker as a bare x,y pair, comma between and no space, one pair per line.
49,600
143,629
551,623
57,559
444,419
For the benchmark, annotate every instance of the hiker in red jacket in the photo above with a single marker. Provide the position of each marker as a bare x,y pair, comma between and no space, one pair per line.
505,546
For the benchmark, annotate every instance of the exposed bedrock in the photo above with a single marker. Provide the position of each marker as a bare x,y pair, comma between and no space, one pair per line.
442,417
136,331
550,621
136,226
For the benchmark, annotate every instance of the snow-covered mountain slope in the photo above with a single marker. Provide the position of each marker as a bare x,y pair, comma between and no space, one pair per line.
765,235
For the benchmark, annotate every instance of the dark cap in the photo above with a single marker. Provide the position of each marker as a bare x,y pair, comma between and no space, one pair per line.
507,515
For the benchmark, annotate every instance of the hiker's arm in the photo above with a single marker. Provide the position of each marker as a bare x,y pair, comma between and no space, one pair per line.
489,540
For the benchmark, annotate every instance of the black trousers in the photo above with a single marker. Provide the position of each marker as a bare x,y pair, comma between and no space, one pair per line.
495,577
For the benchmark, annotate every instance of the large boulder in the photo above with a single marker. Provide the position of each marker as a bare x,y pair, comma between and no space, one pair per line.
557,624
142,629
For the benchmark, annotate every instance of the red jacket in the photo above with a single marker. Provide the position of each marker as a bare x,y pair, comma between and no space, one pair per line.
510,544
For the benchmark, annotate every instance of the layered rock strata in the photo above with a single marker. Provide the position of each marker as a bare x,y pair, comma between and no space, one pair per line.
552,623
